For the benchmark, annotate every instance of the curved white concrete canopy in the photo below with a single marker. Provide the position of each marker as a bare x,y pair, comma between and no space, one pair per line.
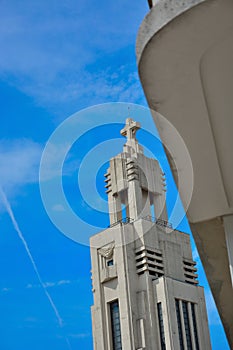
185,61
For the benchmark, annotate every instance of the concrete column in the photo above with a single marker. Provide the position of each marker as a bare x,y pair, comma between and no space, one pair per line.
160,207
114,205
135,199
145,204
228,227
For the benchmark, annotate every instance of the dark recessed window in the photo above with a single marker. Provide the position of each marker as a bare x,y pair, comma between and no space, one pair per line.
116,327
187,325
195,326
110,262
178,316
161,326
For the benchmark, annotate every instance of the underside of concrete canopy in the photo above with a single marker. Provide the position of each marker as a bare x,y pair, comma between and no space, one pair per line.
185,61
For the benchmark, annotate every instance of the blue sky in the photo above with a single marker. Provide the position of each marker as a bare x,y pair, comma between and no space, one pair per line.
58,58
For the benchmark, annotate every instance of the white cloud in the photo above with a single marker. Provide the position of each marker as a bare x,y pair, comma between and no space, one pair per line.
41,39
58,207
117,85
31,319
19,160
32,43
195,255
19,165
79,335
47,49
63,282
51,284
53,163
58,283
213,316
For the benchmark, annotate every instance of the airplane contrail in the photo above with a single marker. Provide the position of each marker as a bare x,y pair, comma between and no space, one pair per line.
20,234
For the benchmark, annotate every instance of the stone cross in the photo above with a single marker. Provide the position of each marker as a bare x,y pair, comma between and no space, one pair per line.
130,129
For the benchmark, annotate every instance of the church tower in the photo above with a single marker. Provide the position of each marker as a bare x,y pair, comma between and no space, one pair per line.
145,287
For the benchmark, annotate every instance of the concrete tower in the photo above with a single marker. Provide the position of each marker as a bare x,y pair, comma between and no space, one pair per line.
146,293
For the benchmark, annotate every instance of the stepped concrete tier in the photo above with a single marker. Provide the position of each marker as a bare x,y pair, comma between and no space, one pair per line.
185,56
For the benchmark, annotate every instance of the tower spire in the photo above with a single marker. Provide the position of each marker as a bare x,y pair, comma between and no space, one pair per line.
134,181
129,131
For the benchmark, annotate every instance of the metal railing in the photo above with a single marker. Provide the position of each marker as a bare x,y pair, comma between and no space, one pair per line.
123,221
159,222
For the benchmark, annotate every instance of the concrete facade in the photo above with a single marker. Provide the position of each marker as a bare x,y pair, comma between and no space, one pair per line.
184,54
143,267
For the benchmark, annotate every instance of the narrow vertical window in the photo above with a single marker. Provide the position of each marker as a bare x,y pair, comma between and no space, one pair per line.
161,326
179,325
195,326
187,325
110,262
116,327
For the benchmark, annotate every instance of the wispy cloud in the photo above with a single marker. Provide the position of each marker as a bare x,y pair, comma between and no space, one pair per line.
212,312
34,265
31,319
211,308
61,282
58,207
19,165
19,160
195,254
53,159
24,242
79,335
121,84
51,284
48,49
